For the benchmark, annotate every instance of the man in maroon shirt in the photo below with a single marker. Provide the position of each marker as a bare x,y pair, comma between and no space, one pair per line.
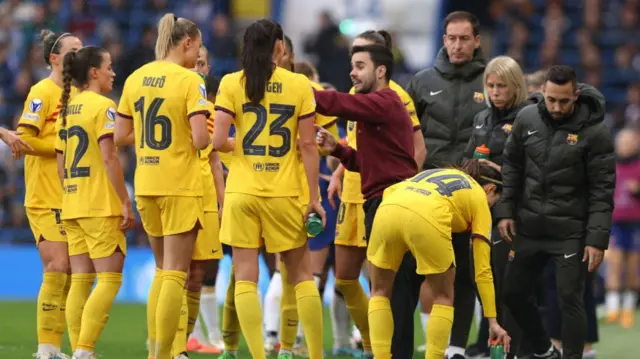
385,154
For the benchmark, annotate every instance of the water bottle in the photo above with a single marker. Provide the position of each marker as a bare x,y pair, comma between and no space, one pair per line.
496,350
482,152
314,225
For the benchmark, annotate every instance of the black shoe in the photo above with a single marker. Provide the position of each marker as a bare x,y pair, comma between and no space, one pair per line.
555,354
457,356
475,351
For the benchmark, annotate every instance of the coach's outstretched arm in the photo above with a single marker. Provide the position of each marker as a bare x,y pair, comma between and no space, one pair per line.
368,107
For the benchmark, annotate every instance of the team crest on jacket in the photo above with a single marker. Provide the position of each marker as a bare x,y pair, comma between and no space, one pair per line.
352,125
507,128
478,97
572,139
512,254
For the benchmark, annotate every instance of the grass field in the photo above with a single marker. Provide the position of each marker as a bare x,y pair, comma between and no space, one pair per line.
125,334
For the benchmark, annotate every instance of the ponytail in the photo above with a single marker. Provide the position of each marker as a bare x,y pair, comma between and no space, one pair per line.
67,77
380,37
259,41
171,30
388,43
482,173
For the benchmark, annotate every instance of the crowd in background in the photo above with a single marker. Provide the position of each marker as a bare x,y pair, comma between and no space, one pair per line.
594,36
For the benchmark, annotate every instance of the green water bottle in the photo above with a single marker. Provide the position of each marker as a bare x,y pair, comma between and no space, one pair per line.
314,225
497,351
482,152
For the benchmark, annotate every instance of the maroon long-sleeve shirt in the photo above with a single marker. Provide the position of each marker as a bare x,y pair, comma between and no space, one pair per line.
384,136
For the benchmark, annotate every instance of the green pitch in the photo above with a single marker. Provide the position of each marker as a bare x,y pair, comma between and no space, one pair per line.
125,334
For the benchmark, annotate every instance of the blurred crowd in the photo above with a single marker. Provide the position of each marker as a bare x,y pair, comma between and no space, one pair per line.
597,37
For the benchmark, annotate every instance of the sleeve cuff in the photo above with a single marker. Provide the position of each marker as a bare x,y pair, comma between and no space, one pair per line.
35,128
196,113
599,240
128,117
227,111
416,128
339,151
105,136
59,151
481,237
302,117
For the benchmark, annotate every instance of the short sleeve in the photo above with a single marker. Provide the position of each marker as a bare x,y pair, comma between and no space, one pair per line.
35,110
61,136
124,106
225,96
210,119
196,96
308,107
411,109
106,121
481,221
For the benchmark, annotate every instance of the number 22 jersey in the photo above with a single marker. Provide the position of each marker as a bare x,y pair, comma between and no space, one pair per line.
161,97
265,158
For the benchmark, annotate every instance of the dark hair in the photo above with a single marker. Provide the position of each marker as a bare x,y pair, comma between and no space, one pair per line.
288,43
51,43
76,69
305,68
482,173
171,30
561,75
212,84
458,16
380,37
258,43
380,55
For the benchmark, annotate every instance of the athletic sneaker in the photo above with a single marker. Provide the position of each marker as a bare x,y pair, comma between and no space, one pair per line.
457,356
627,319
45,355
300,348
271,345
591,354
363,355
553,354
182,355
285,356
344,351
193,344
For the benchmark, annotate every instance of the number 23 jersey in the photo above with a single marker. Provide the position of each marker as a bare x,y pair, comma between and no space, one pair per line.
160,98
265,157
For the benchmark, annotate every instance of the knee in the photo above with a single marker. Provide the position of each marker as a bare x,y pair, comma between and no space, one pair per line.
57,264
196,275
570,297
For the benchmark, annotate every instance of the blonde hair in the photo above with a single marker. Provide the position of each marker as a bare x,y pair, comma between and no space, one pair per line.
171,30
510,72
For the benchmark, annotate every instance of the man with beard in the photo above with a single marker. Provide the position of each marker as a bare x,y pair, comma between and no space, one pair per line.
557,203
447,97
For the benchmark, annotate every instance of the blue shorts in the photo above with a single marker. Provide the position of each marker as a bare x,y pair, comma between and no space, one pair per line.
626,236
326,237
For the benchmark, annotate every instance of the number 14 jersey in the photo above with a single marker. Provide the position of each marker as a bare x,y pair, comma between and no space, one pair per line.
160,98
265,157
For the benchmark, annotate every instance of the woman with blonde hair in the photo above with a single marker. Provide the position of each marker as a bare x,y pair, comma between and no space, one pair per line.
506,94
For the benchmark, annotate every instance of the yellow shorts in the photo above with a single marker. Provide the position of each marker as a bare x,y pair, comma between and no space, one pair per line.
350,227
248,218
170,215
397,230
100,237
46,224
208,245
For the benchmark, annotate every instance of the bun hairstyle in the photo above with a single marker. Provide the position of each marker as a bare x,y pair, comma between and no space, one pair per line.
171,30
258,43
482,173
75,69
380,37
51,43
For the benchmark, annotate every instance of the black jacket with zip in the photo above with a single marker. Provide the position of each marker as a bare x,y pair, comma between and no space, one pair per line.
447,97
492,127
559,175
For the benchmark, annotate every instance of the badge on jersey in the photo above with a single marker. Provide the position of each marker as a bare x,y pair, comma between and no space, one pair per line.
111,116
35,106
203,90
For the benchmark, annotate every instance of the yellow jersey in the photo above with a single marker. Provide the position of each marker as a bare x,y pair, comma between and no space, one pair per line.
209,195
88,192
451,196
266,160
160,97
41,173
352,186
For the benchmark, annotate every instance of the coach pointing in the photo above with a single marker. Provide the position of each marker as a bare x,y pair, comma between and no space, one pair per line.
559,178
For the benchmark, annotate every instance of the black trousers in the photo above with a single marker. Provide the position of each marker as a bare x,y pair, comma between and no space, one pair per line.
525,266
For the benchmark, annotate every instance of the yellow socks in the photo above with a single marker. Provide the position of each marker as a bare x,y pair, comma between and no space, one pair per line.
310,313
48,308
381,327
438,331
230,323
152,305
250,317
81,284
357,302
62,323
180,341
168,312
96,312
193,302
288,312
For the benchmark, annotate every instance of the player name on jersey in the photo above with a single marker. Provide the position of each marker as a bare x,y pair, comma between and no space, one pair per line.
150,81
274,87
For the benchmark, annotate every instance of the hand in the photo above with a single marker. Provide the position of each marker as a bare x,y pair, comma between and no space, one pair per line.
632,186
325,139
316,207
128,218
497,335
16,144
335,189
490,164
594,255
507,227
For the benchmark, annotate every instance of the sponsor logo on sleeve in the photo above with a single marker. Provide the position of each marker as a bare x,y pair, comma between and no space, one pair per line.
35,105
111,114
203,90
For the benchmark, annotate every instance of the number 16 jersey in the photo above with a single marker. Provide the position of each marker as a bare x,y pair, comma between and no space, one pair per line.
160,98
265,157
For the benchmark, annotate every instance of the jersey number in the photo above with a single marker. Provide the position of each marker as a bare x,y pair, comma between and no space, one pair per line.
447,184
150,124
276,128
81,149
